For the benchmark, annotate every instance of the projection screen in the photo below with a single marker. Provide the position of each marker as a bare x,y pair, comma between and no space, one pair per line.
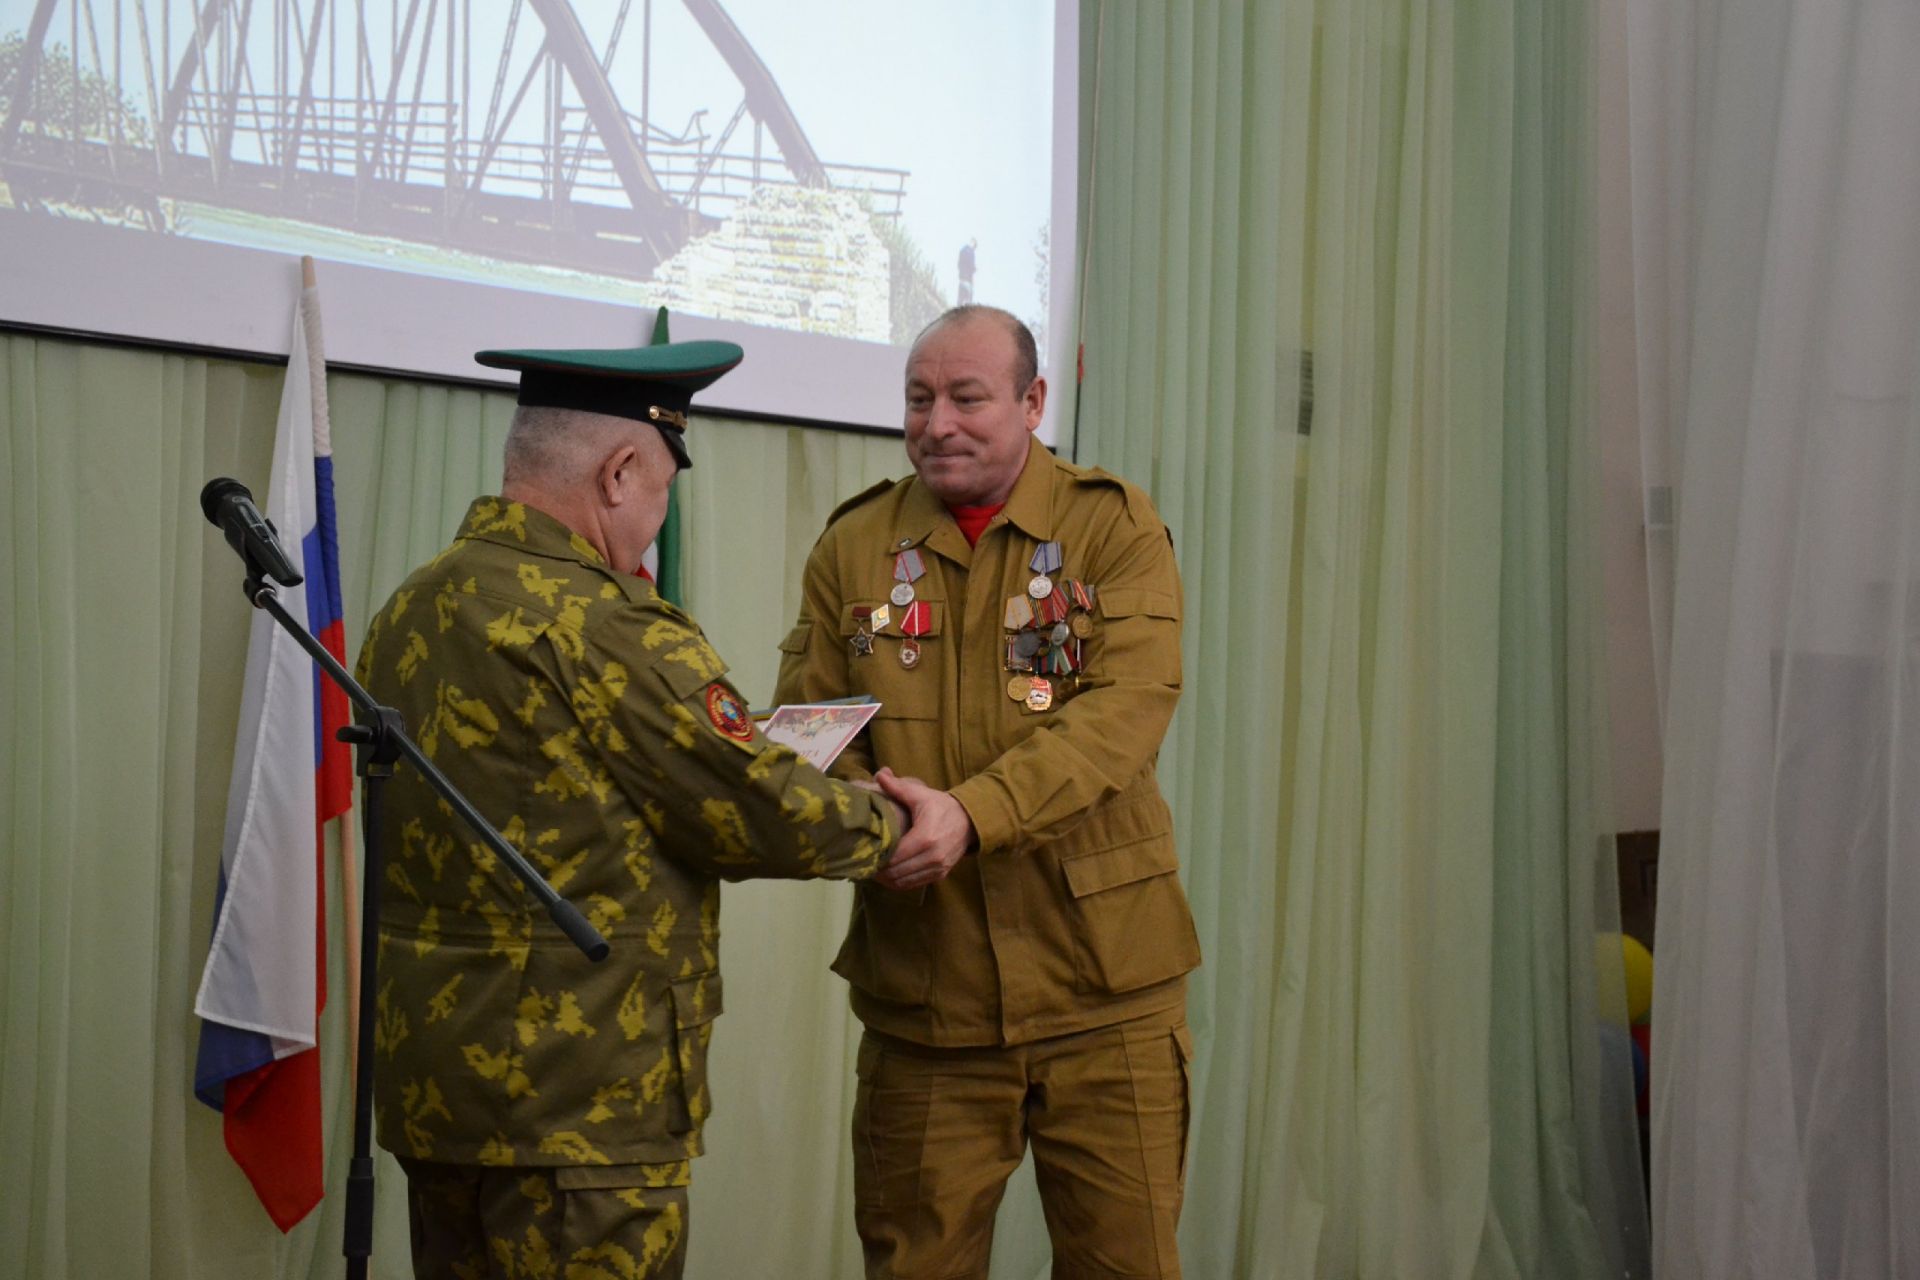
812,180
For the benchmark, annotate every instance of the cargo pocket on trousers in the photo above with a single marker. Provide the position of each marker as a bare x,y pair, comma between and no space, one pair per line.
867,1189
1183,1041
1132,928
696,1003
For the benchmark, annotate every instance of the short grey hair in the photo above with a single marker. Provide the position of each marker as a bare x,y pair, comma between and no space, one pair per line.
564,445
1026,353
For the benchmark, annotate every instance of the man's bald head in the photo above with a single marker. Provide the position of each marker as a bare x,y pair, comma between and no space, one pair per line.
1026,354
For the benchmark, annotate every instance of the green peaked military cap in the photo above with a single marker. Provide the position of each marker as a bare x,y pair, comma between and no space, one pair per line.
653,384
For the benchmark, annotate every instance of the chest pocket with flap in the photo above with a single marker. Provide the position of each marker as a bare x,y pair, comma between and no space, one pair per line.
903,692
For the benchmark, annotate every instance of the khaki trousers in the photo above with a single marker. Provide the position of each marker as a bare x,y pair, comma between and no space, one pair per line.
937,1132
473,1222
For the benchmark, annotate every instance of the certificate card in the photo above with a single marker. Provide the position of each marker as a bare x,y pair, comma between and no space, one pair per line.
819,731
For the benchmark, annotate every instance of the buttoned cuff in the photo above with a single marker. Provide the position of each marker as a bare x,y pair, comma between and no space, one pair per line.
995,824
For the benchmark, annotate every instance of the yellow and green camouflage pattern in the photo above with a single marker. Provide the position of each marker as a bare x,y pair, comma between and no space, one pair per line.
591,721
569,1223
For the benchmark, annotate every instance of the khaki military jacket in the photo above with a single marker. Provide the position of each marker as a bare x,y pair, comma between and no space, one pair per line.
592,723
1071,915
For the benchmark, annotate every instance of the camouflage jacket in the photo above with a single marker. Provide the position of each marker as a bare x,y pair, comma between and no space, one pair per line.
592,723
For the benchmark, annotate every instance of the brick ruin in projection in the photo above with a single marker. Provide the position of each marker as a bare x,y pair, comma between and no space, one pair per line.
789,257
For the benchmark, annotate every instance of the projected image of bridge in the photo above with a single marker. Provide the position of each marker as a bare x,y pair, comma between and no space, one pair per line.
579,146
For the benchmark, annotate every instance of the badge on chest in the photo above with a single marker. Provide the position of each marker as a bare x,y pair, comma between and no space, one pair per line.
903,618
1046,627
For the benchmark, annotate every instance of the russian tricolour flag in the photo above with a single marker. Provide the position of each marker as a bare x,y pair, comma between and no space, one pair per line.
265,981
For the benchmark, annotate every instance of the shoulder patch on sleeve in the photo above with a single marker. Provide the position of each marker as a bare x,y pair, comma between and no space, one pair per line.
728,713
865,495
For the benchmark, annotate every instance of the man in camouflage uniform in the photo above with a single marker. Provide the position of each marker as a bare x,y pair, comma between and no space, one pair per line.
1020,965
545,1108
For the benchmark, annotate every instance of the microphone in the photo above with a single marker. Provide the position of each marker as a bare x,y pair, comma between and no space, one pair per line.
230,508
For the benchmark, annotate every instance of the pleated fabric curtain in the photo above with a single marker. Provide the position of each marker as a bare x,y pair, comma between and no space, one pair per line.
126,633
1776,258
1385,766
1337,322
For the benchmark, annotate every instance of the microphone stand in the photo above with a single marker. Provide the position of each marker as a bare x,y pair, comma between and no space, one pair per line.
380,740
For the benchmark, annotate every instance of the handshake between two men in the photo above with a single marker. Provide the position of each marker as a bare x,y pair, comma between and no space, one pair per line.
1016,618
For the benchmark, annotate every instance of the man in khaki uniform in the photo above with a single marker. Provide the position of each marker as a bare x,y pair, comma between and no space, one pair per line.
1020,965
545,1108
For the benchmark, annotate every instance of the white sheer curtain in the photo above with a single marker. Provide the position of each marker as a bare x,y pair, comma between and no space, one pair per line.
1777,246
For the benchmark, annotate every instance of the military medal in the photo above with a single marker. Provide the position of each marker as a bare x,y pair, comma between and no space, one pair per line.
1046,559
1081,624
1040,632
1039,694
862,638
880,619
907,570
913,624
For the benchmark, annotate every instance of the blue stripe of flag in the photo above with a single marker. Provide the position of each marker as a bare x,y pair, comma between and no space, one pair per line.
225,1052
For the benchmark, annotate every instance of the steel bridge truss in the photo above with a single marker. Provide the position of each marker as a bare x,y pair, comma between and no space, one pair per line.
391,119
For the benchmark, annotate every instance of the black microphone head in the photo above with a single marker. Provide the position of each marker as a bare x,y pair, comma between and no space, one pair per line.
218,490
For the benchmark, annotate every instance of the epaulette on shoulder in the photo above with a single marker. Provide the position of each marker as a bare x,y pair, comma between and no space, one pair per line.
860,499
641,591
1139,506
672,610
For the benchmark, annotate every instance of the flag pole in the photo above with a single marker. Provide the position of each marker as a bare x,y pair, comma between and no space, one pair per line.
350,922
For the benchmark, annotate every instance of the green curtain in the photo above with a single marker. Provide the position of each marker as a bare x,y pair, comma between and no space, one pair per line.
1337,319
1385,768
